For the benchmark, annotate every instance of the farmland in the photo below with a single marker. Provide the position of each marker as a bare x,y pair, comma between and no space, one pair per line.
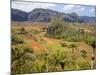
35,48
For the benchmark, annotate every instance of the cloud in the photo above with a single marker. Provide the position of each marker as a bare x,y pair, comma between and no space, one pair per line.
73,7
68,7
28,6
82,8
92,10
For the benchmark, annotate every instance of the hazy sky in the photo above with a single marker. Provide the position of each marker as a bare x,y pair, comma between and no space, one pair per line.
81,10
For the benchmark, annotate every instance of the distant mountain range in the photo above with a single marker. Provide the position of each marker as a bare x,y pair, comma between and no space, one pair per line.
45,15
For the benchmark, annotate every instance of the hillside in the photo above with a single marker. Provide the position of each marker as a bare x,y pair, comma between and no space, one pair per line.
45,15
18,15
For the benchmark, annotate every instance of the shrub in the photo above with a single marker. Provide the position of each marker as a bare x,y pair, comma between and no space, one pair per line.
84,65
16,40
63,44
91,40
35,32
23,30
73,46
83,53
22,60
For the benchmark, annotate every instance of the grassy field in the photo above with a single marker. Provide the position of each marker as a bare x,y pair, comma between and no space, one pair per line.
34,51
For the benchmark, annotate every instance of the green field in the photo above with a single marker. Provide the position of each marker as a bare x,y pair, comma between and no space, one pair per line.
49,47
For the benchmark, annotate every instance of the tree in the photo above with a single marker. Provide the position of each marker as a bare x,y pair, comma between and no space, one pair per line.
55,28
